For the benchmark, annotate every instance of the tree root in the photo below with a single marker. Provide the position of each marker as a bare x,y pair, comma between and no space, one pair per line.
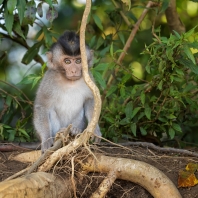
37,185
149,177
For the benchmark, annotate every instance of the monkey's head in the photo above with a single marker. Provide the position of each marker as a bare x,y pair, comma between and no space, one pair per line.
64,56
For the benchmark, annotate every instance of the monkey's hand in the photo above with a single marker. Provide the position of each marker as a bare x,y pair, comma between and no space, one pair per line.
96,138
74,131
46,144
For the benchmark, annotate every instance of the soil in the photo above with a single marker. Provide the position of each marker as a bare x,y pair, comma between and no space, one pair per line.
168,163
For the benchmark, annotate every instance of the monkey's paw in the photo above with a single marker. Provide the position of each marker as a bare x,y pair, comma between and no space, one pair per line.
96,138
47,144
74,131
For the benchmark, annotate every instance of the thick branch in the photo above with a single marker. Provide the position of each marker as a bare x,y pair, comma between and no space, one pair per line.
173,19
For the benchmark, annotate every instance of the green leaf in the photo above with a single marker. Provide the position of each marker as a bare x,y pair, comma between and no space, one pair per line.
169,54
147,112
99,42
11,4
125,78
164,5
21,5
148,68
177,34
98,77
11,136
17,29
142,97
111,49
111,90
109,119
48,36
35,81
160,85
179,71
162,119
1,1
189,64
190,32
8,100
122,91
92,42
143,131
104,51
171,78
124,121
31,53
9,19
28,79
189,54
135,111
133,128
24,133
171,116
121,36
101,67
129,109
49,2
98,21
171,133
177,127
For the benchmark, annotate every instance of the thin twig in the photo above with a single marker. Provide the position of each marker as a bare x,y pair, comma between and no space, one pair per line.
72,177
28,100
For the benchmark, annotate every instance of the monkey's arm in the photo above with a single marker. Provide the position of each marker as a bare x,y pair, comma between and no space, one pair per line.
42,126
89,108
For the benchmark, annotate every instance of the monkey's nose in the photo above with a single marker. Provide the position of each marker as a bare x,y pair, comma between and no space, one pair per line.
73,71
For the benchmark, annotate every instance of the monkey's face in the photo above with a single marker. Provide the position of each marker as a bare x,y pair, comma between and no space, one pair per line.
71,67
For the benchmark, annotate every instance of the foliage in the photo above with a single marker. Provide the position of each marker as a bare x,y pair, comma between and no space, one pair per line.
167,101
16,107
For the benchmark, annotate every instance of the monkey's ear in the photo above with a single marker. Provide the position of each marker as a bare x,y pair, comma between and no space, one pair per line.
49,60
90,55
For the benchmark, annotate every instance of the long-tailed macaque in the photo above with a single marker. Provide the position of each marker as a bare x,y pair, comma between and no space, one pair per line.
63,97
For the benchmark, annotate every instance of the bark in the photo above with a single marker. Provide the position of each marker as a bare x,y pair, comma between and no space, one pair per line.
173,18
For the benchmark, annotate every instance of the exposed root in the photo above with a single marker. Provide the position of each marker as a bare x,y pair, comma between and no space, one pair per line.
105,185
149,177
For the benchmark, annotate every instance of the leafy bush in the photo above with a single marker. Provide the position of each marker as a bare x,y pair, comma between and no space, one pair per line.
163,104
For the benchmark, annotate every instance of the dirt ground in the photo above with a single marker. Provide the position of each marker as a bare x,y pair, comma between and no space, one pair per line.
169,163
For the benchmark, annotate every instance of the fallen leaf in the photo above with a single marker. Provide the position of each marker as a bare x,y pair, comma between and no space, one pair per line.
187,179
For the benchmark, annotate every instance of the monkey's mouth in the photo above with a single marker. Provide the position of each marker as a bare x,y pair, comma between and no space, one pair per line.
73,77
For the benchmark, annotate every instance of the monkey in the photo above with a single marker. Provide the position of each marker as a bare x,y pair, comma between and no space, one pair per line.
63,97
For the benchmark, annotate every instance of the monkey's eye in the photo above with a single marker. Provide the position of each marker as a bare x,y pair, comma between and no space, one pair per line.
78,61
67,61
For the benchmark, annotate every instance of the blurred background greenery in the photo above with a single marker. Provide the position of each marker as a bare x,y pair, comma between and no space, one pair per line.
106,34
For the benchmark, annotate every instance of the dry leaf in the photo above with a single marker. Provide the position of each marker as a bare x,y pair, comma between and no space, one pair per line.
191,167
187,179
